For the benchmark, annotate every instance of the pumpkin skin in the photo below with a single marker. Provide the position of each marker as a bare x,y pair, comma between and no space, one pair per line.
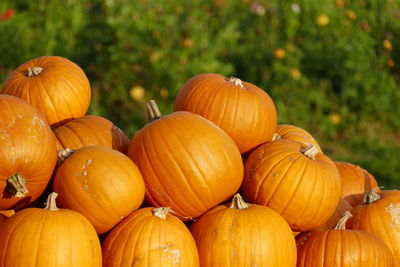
244,235
341,208
27,153
55,86
2,218
150,237
380,216
344,248
187,162
91,130
101,183
305,190
355,182
241,109
298,134
49,237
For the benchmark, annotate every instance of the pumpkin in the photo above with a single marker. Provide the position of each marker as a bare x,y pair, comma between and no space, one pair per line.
243,235
341,208
150,237
27,153
55,86
244,111
298,134
49,237
2,218
300,183
91,130
187,162
355,182
380,215
101,183
344,248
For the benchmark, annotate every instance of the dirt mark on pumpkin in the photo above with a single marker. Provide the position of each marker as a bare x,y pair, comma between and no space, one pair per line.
394,210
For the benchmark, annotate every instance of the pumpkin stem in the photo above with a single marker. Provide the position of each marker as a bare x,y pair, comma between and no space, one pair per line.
341,225
310,151
372,196
51,202
153,112
34,71
62,155
236,81
16,185
161,212
238,202
276,137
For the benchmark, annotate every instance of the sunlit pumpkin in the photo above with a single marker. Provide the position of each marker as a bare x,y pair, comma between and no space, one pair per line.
298,134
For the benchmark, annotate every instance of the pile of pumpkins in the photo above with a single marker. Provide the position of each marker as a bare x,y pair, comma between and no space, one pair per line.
215,183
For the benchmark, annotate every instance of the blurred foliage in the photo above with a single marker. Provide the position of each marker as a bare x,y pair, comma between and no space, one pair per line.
329,65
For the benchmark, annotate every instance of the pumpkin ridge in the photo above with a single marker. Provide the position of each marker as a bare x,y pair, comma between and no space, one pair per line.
14,227
44,217
42,83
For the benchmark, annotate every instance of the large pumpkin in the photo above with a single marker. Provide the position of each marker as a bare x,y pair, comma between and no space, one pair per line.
344,248
242,235
49,237
298,134
101,183
150,237
355,182
57,87
91,130
244,111
187,162
301,184
380,215
27,153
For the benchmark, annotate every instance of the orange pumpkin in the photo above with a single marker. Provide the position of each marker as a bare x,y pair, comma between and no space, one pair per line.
49,237
242,235
244,111
2,218
101,183
344,248
298,134
187,162
55,86
341,208
91,130
27,153
380,215
150,237
355,182
301,184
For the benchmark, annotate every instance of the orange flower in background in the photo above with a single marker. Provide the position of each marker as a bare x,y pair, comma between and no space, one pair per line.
164,92
279,53
156,56
137,93
187,42
387,45
351,15
390,63
9,13
334,118
340,3
322,20
295,73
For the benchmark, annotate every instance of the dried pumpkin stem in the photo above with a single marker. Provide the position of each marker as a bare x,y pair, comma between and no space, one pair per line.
34,71
161,212
238,202
62,155
276,137
16,185
236,81
372,196
51,202
310,151
153,112
341,225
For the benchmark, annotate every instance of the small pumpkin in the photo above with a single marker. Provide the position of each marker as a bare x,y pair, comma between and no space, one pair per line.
101,183
241,109
341,208
187,162
242,235
27,153
55,86
379,214
300,183
355,182
91,130
298,134
150,237
49,237
344,248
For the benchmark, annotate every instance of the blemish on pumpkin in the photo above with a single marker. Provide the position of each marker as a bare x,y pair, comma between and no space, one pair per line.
85,187
85,173
276,174
88,162
251,174
394,211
